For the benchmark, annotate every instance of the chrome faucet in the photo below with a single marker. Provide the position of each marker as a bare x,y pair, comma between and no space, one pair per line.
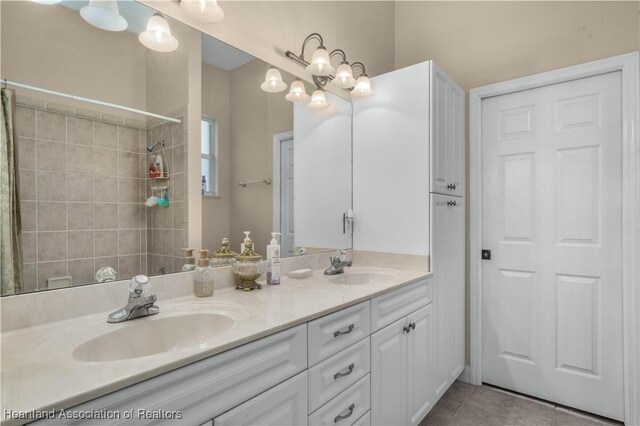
141,303
338,263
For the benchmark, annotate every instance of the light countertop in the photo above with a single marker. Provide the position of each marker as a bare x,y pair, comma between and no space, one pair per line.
39,372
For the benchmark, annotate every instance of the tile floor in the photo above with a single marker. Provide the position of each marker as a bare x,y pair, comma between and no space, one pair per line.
465,404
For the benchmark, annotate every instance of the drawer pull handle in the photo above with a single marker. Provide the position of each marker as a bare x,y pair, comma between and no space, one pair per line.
347,331
344,372
340,417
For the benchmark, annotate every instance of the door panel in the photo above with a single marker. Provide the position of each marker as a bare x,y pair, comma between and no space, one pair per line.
420,349
388,375
552,293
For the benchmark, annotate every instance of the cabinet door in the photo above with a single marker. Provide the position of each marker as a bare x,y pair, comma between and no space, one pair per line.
388,375
440,134
456,175
456,230
420,388
285,404
441,266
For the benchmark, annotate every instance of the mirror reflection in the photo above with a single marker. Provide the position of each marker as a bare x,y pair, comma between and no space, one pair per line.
106,169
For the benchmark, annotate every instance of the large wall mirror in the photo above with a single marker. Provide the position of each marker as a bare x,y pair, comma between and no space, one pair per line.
105,189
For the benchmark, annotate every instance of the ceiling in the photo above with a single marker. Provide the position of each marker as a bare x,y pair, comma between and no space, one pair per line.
214,52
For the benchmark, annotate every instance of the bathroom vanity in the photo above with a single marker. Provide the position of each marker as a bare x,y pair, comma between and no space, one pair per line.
307,351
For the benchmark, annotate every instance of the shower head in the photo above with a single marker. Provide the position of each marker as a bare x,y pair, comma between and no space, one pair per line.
152,147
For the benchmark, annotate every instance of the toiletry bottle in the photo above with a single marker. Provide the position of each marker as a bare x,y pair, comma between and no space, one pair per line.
189,263
246,238
273,260
203,276
159,166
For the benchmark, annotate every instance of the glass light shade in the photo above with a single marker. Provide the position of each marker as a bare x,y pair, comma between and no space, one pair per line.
297,92
320,64
318,100
203,10
344,77
104,14
362,87
273,81
47,1
158,36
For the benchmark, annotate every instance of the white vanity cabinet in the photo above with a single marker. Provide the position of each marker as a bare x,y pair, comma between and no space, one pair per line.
447,134
402,390
283,405
447,260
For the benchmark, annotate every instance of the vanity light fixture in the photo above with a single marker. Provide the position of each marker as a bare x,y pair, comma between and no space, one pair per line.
344,74
158,35
47,1
297,92
104,14
318,100
321,69
363,84
273,81
203,10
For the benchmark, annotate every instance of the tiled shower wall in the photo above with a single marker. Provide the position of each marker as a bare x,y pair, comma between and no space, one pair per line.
167,226
82,191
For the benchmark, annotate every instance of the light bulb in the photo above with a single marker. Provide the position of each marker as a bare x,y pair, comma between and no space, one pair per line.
318,100
104,14
203,10
273,81
158,35
344,77
362,87
320,64
297,92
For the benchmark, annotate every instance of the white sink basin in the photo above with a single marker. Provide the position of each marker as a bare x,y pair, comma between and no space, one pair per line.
362,277
149,336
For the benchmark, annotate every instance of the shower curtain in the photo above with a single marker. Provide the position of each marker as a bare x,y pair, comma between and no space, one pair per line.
10,228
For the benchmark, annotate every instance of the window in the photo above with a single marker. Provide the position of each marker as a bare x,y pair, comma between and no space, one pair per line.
209,157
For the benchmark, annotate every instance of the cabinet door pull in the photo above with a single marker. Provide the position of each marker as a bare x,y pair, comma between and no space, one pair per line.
407,328
345,372
451,186
412,325
347,331
451,203
345,416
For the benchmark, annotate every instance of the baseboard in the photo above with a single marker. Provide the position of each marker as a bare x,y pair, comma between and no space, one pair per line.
465,376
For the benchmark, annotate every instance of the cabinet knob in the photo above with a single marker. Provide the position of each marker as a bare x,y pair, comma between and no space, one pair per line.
412,325
451,203
451,186
407,328
345,416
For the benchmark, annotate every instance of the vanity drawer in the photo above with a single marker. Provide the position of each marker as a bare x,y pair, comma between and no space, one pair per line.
332,333
364,420
390,307
207,388
346,408
285,404
337,373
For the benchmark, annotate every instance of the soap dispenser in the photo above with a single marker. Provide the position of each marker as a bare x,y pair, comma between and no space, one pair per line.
273,260
203,276
189,261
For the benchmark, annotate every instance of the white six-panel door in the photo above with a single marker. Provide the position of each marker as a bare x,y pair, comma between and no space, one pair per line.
552,292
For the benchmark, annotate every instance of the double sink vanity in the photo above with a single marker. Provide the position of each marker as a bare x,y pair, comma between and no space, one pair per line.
318,350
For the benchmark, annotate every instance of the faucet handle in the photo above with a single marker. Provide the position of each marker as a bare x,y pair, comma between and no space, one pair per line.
140,285
339,256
